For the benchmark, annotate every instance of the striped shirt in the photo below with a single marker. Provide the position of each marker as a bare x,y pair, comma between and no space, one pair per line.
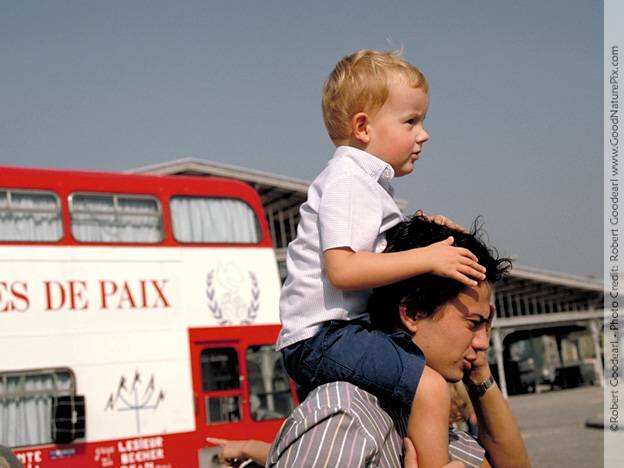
349,204
340,425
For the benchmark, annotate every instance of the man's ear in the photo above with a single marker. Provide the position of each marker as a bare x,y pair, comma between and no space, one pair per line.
359,127
408,322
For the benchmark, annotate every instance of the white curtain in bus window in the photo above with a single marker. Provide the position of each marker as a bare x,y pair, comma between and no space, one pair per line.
29,216
214,220
115,219
26,405
269,391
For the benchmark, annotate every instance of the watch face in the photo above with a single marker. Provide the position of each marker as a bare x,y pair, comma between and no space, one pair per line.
481,388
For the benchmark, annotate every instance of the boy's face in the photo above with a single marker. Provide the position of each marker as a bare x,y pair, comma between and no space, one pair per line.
396,130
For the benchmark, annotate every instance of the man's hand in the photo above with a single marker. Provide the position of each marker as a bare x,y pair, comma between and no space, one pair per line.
232,452
454,262
441,220
480,369
235,452
410,460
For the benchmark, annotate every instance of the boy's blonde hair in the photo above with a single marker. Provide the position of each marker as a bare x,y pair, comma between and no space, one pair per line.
359,83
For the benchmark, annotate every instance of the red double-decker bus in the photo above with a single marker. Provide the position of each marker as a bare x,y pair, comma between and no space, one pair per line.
137,316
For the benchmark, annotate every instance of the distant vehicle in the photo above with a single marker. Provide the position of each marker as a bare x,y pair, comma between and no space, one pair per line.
554,376
137,316
574,374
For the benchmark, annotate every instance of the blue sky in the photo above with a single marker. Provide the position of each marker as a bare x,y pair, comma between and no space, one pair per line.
515,116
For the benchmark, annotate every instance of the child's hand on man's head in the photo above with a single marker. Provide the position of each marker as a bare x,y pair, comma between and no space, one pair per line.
442,220
454,262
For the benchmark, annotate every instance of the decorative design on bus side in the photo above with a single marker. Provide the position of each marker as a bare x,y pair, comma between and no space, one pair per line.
252,310
232,307
135,398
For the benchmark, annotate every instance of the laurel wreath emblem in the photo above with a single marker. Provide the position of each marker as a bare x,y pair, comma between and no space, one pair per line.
215,308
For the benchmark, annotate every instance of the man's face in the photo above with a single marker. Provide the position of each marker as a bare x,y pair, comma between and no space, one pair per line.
459,328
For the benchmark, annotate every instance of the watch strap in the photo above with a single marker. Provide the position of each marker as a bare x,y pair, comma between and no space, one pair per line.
480,388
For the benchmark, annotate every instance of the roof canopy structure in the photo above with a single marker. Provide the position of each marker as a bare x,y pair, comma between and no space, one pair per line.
527,298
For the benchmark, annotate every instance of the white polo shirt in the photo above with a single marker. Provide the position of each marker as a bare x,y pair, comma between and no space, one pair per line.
349,204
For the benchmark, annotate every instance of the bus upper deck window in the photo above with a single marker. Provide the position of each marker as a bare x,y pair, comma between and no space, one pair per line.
109,218
31,216
214,220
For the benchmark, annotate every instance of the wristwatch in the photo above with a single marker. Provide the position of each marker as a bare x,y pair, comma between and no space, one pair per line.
480,388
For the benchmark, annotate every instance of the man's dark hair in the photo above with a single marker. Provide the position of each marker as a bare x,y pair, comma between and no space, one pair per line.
423,294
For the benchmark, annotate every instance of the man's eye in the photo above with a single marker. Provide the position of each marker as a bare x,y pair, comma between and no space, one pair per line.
411,121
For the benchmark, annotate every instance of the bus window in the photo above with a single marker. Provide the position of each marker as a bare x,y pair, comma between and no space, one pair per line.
220,375
26,400
30,216
214,220
269,390
115,218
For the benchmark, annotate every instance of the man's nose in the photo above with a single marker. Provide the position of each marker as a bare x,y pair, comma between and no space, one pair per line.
424,136
481,339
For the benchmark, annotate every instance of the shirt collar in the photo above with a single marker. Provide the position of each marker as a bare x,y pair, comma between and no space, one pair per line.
379,170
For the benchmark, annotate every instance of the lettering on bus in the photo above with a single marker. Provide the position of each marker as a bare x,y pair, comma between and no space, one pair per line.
105,455
77,295
140,452
133,453
30,459
14,296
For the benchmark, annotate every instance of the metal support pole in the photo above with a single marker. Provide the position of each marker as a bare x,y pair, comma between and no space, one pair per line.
282,225
498,351
598,365
272,228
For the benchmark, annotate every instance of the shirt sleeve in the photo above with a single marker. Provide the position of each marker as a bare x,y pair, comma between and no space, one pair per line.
350,213
335,440
337,425
464,448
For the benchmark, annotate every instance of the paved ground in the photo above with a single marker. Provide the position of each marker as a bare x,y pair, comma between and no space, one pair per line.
553,426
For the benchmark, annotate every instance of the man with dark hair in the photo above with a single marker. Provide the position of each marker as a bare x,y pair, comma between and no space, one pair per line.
451,324
341,425
424,293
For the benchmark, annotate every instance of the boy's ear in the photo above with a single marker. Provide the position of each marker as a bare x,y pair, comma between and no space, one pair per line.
408,322
359,127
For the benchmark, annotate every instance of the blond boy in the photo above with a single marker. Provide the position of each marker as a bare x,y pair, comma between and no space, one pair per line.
374,105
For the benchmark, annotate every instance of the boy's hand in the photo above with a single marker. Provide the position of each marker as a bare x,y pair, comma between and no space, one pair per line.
442,221
454,262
